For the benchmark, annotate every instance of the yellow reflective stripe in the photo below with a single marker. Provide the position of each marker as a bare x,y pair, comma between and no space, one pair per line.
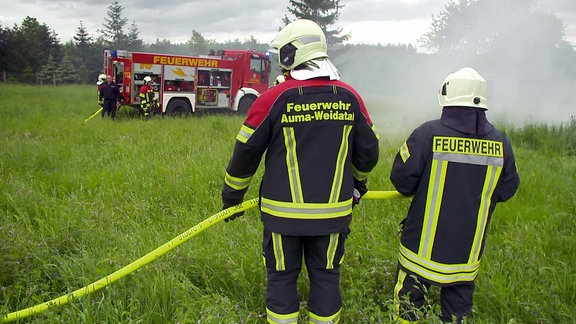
433,202
332,319
278,251
272,317
437,272
399,284
244,134
331,251
300,91
359,175
306,210
375,131
404,152
340,164
237,183
398,287
292,165
492,176
437,266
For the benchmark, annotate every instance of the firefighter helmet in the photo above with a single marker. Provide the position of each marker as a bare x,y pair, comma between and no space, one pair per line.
147,79
298,42
279,79
465,87
101,79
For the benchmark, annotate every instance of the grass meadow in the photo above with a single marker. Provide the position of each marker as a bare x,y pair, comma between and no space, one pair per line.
80,200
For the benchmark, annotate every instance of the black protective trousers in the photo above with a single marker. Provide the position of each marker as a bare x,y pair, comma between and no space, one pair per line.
109,108
410,292
283,255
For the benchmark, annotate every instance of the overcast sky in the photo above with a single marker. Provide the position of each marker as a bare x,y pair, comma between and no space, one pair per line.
368,21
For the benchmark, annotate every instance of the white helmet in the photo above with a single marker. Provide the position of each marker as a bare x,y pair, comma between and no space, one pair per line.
298,42
101,79
147,79
279,79
465,88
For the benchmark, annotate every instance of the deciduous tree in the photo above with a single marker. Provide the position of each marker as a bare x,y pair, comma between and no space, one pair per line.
35,43
198,44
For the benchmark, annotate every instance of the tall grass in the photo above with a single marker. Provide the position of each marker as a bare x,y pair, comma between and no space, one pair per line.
79,200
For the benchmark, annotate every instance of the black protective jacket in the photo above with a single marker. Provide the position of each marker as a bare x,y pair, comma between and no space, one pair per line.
320,145
457,168
109,91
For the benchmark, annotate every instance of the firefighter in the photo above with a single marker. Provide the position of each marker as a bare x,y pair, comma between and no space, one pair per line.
457,169
109,97
147,97
101,80
320,147
279,79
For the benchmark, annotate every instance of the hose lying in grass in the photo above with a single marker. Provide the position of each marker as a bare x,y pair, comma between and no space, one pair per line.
155,254
93,115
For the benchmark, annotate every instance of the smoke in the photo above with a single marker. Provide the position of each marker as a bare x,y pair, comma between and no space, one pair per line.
520,50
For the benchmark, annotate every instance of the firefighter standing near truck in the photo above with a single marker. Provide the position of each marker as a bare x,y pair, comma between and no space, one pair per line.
320,146
147,97
101,80
109,97
457,168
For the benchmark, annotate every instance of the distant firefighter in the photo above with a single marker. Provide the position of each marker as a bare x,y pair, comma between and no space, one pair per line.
109,97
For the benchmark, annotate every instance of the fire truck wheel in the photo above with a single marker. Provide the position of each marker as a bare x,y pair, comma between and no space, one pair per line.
178,107
245,104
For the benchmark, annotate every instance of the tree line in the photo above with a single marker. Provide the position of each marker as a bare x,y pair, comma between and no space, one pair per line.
32,52
507,38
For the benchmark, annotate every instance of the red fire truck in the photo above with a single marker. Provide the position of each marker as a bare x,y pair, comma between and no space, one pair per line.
226,79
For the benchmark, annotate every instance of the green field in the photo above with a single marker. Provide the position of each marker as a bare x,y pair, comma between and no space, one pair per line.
80,200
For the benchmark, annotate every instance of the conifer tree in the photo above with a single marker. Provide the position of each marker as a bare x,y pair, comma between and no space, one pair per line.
113,32
134,42
324,12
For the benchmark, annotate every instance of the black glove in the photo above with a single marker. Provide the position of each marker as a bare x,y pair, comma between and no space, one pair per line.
227,205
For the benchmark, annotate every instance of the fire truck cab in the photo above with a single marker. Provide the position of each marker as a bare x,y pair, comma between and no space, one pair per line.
227,79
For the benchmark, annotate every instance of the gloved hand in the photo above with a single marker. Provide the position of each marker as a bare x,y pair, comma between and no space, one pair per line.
227,205
356,196
100,102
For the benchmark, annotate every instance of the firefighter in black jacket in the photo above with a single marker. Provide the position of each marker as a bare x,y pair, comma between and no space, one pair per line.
109,97
457,168
320,146
146,95
99,83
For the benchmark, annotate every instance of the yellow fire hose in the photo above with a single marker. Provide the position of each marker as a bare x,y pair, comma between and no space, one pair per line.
155,254
93,115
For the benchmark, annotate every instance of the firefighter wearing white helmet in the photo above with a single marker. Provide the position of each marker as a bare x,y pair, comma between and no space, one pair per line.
464,88
321,146
279,79
457,168
147,98
302,50
101,80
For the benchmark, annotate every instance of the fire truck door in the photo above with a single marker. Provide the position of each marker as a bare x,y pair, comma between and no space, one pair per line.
119,73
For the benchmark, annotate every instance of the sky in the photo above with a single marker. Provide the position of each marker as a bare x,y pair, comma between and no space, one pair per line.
367,21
